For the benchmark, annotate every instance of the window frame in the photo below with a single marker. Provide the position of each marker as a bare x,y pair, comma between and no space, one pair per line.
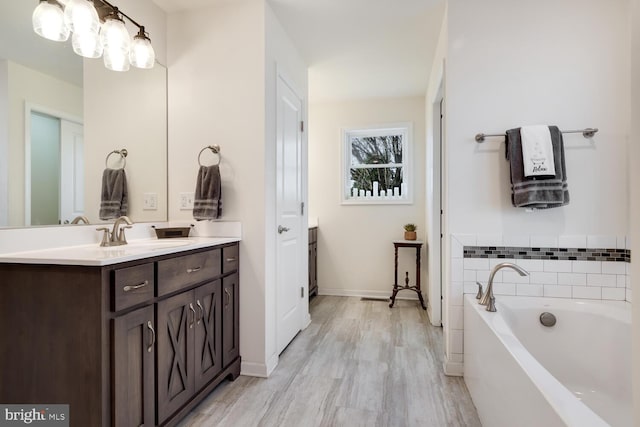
401,128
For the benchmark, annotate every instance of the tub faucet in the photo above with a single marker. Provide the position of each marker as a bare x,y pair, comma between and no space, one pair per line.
115,237
488,299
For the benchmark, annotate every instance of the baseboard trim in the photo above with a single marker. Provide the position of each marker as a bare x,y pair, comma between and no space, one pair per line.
261,370
453,369
364,293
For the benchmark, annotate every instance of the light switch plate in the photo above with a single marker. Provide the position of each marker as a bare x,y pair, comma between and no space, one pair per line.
186,201
150,202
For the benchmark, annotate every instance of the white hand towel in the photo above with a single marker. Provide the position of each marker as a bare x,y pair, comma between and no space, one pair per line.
537,151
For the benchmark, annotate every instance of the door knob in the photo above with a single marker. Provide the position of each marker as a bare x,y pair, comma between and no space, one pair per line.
282,229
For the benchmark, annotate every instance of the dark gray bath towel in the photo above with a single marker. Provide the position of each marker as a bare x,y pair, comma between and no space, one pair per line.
537,192
207,203
114,200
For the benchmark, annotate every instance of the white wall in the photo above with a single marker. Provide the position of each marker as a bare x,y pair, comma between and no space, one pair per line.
634,179
126,110
30,86
216,59
355,250
281,56
513,63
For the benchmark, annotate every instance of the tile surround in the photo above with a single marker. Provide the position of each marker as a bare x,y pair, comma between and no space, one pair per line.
576,266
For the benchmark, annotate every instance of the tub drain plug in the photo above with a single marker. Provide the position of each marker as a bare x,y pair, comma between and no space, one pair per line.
547,319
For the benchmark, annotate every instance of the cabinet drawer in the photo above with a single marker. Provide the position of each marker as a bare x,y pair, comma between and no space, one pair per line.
131,286
230,257
180,272
313,235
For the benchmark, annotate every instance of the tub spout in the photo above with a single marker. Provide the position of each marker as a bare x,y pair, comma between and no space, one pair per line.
488,295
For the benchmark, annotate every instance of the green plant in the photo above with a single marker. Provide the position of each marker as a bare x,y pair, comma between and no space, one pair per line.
410,227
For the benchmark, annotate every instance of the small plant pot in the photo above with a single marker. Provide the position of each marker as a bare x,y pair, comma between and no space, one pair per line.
409,235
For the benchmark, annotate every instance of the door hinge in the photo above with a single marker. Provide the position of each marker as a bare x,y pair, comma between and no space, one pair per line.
301,126
302,208
301,291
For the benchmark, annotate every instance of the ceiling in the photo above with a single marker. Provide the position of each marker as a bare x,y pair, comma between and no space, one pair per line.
20,44
356,49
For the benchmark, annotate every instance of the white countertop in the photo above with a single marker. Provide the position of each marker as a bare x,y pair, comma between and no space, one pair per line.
94,255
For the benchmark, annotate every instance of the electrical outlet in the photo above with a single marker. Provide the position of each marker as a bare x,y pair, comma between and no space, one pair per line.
150,202
186,201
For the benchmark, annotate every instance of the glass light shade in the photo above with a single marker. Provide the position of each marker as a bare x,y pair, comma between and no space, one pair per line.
87,45
116,59
114,34
142,54
48,22
81,17
63,2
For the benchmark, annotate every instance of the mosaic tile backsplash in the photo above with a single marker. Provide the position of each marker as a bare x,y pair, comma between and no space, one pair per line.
565,254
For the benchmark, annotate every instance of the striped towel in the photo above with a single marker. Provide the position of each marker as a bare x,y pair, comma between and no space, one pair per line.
207,203
537,192
114,197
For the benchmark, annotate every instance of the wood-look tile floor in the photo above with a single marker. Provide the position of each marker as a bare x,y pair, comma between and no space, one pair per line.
359,363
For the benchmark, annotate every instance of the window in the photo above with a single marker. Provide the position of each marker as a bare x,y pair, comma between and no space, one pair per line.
376,165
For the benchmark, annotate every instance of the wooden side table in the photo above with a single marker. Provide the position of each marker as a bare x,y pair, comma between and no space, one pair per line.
417,244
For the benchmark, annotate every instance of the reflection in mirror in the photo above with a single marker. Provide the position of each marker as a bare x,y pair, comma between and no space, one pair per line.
52,177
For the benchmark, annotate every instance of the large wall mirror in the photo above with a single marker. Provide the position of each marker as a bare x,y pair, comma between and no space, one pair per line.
61,116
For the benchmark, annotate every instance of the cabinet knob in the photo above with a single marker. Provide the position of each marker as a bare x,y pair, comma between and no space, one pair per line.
228,298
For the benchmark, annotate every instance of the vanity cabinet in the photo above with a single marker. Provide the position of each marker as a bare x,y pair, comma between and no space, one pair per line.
134,368
139,343
189,345
313,261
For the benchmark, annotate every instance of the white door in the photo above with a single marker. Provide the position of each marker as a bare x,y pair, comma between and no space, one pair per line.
290,290
71,170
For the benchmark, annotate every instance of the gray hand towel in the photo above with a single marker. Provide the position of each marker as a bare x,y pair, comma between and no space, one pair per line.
207,203
537,192
114,201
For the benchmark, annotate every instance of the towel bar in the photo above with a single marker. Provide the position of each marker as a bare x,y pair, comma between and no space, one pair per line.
587,133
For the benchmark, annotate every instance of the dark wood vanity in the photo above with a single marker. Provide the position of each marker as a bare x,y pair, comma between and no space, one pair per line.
313,261
138,343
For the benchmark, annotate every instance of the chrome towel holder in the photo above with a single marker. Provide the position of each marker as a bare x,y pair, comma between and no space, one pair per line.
587,133
123,156
215,149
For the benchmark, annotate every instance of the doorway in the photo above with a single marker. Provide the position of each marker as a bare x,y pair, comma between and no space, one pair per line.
54,167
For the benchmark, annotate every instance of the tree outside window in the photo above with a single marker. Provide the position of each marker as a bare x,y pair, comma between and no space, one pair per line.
377,171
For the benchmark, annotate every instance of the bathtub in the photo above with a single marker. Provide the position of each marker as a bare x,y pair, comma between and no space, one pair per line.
576,373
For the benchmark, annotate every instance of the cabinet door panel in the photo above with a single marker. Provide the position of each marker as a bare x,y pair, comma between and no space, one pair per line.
133,399
208,333
176,320
230,319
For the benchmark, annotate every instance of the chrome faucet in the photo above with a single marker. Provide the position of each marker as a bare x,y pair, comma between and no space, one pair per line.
488,299
116,236
79,219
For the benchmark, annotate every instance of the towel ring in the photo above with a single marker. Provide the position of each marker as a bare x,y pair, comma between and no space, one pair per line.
215,149
123,156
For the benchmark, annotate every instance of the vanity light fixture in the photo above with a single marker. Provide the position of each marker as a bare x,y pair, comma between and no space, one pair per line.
98,29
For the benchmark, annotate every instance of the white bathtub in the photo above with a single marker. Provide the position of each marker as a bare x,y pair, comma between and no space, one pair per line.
576,373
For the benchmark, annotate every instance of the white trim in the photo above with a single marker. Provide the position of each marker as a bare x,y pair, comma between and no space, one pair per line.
364,293
29,108
251,369
406,128
453,369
